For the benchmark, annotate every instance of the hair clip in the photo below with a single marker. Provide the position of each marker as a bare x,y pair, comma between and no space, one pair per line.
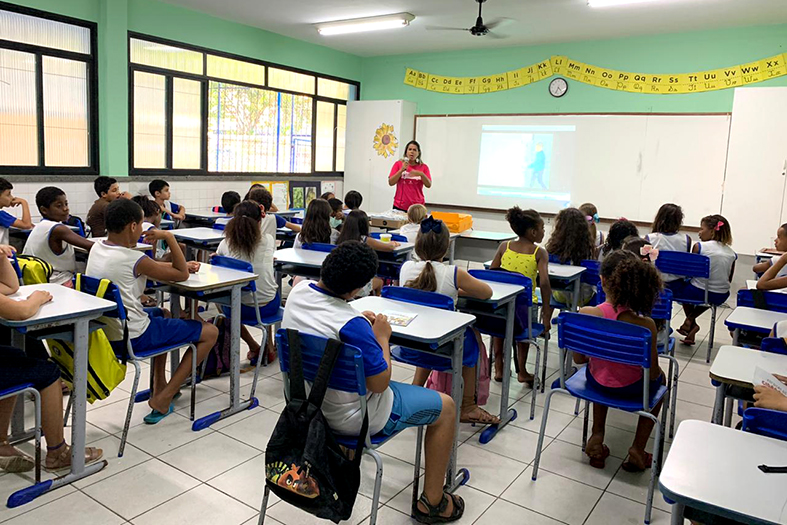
719,225
431,224
622,219
650,252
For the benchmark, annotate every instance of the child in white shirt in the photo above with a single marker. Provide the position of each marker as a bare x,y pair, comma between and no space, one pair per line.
415,214
665,236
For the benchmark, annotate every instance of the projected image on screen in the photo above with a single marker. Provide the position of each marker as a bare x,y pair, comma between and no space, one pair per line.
520,161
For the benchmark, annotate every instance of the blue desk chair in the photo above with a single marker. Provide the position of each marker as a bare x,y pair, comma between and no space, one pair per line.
295,220
21,390
90,285
318,247
774,345
529,334
263,323
773,301
616,341
221,223
347,376
591,276
769,423
394,236
690,265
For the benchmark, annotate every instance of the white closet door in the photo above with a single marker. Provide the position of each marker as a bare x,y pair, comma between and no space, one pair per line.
754,187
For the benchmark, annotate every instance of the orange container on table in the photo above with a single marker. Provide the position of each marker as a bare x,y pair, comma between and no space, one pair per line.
456,222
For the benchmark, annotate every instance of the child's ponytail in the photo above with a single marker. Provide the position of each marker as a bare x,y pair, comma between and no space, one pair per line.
426,280
630,282
243,231
721,228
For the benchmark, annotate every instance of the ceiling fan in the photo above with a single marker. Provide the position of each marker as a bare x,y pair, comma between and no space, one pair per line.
479,29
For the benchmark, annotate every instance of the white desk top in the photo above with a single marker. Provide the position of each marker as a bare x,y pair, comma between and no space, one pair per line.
714,468
761,320
212,277
765,255
488,236
500,292
451,235
167,224
205,214
288,213
14,229
735,365
140,247
403,247
565,271
66,304
752,285
431,324
307,258
198,234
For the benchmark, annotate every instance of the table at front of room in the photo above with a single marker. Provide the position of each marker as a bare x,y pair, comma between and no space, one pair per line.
67,308
501,305
752,319
222,286
431,329
734,367
713,469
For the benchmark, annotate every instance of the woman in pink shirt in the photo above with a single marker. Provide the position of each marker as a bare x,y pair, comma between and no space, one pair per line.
631,286
409,175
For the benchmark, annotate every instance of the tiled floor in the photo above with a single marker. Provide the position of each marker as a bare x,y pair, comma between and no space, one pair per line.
171,475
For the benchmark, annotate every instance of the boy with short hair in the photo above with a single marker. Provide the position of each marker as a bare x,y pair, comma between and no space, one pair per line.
108,190
6,219
229,200
270,222
53,241
159,190
353,200
323,309
116,260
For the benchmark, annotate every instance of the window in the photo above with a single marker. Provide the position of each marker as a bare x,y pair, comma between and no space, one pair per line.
47,93
199,111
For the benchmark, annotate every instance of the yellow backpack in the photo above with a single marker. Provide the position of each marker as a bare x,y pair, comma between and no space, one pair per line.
34,269
105,372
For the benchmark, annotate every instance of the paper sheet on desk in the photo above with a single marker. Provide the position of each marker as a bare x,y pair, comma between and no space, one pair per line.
399,319
763,377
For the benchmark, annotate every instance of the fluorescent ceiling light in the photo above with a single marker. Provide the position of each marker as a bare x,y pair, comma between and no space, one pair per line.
359,25
612,3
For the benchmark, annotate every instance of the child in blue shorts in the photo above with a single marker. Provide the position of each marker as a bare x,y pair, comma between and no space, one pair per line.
323,309
116,260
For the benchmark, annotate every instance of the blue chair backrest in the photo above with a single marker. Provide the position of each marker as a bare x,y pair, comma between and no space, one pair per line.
591,274
421,297
235,264
503,276
765,422
394,236
776,301
553,259
348,374
684,264
593,336
318,247
661,310
295,220
774,345
90,286
15,265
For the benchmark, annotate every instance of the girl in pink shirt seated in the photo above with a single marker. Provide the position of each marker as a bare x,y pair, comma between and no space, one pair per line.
632,288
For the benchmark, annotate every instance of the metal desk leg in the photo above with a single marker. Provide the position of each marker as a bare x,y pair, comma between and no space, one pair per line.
735,336
718,405
454,478
506,415
575,298
451,250
677,514
18,434
236,405
730,404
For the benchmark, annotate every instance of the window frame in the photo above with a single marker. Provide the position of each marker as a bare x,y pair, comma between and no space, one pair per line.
91,63
205,80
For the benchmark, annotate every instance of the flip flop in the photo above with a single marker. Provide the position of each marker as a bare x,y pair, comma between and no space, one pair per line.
599,461
628,466
155,416
682,332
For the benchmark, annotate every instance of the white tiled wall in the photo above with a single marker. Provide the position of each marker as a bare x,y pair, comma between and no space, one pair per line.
194,195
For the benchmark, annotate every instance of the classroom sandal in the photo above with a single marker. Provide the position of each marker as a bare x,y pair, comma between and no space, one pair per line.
484,419
433,513
155,416
628,466
16,463
599,460
63,460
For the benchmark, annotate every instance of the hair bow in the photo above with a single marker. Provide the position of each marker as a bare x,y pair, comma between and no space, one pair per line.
593,218
431,224
719,225
622,219
650,252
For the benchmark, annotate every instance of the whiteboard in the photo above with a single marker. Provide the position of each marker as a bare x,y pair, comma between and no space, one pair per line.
627,165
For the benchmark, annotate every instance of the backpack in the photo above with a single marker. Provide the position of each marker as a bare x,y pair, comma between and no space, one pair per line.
218,360
304,465
34,269
73,220
105,372
441,381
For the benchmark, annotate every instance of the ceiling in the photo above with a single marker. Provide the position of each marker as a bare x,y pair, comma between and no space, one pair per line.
536,21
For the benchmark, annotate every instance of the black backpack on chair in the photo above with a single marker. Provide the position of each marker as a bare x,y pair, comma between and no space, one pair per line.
304,465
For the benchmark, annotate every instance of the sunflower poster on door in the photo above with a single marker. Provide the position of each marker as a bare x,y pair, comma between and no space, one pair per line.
385,143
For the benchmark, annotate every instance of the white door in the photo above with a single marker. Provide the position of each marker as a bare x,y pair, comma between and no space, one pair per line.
754,189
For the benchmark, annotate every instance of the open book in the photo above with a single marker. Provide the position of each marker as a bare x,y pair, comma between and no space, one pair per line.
763,377
400,319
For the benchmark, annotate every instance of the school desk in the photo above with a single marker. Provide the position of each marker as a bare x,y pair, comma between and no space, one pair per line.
478,246
745,318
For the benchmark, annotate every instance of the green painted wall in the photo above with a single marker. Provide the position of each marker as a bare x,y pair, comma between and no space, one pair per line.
678,53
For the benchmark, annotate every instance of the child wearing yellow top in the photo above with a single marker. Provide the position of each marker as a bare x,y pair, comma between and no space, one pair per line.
526,257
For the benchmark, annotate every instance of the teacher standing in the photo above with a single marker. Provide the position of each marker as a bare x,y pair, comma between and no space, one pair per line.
409,175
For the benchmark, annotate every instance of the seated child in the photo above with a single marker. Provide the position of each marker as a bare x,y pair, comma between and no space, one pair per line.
53,241
229,200
316,227
591,215
270,222
415,214
107,190
116,260
323,309
150,211
6,219
19,368
356,228
632,288
572,243
337,216
432,275
524,256
244,240
352,201
159,190
665,236
327,196
715,239
618,232
776,279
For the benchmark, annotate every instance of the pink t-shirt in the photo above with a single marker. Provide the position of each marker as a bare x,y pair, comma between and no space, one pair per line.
608,373
410,188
